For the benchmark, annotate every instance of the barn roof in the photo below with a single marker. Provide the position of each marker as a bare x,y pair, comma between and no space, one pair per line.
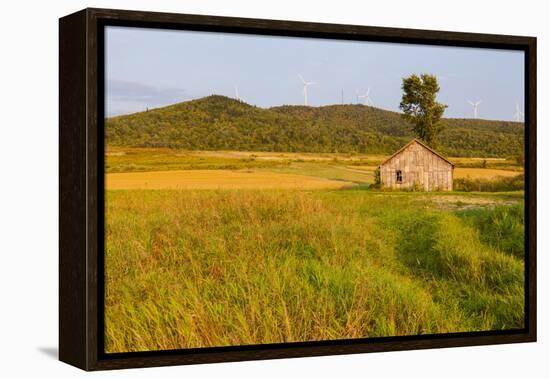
421,144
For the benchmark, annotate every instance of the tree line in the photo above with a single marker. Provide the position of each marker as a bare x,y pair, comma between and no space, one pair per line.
221,123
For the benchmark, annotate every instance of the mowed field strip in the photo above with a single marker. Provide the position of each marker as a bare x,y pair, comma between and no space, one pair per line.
294,177
482,173
141,168
218,179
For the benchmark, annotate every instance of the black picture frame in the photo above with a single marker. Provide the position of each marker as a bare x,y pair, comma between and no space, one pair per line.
81,118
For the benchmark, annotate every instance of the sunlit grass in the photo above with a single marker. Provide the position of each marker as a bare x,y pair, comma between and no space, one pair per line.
232,267
220,179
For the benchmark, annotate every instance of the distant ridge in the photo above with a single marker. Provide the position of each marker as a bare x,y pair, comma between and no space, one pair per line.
221,123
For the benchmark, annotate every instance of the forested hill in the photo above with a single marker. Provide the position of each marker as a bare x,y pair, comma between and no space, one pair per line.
221,123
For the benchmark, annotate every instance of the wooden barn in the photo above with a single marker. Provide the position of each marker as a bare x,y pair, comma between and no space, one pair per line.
417,165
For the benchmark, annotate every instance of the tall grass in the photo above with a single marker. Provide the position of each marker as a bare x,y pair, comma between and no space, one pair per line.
214,268
486,284
501,227
497,184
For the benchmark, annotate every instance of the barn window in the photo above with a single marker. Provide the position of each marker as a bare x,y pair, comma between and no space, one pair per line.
399,176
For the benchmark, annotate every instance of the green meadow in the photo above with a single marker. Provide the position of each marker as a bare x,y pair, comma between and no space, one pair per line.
199,268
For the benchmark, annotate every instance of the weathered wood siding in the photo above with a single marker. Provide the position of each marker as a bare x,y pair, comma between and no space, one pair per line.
420,166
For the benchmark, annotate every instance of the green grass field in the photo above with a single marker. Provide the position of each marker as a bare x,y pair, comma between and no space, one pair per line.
129,159
200,268
162,168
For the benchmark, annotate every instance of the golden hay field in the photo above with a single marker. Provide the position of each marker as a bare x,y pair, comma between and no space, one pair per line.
297,176
481,173
218,179
141,168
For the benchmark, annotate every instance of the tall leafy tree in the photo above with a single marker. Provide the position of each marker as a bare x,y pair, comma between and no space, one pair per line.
420,107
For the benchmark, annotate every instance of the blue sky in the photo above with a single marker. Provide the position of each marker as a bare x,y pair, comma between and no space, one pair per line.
147,68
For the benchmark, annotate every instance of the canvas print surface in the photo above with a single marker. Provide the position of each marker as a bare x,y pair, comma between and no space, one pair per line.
263,189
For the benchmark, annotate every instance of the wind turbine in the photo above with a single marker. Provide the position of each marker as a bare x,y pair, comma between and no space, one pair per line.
306,84
475,105
518,116
237,94
368,100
